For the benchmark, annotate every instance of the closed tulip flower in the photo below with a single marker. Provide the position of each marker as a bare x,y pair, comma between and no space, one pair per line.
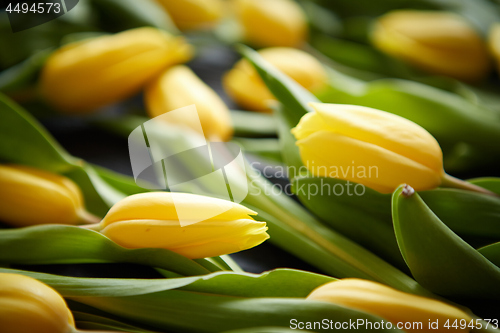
194,14
271,22
246,87
398,307
31,196
438,42
494,41
151,220
27,306
371,147
84,76
178,87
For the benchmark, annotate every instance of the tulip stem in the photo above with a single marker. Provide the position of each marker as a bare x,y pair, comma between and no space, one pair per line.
452,182
95,226
87,218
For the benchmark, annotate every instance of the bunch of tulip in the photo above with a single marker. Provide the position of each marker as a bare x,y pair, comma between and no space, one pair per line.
328,137
223,302
410,241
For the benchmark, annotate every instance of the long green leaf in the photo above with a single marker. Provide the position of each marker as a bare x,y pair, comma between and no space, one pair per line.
437,257
275,283
294,97
253,124
93,322
57,244
172,309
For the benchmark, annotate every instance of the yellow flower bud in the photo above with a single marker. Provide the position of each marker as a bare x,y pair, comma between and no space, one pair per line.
178,87
271,22
375,148
30,196
86,75
438,42
396,306
152,220
194,14
494,42
246,87
27,306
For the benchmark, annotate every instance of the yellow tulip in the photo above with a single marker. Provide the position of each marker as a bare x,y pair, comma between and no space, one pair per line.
84,76
375,148
246,87
152,220
438,42
271,22
178,87
27,306
194,14
398,307
494,41
30,196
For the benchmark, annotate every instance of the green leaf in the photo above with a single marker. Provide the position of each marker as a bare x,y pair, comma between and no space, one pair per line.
122,183
57,244
289,150
437,257
24,141
492,184
24,74
293,97
265,330
93,322
275,283
447,116
120,15
267,148
172,309
363,218
253,124
492,253
457,208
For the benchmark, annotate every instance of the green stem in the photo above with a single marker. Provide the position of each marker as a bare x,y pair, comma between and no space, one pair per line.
351,260
450,181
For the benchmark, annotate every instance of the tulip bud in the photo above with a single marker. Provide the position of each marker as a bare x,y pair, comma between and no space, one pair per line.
152,220
396,306
193,14
27,306
31,196
83,76
178,87
375,148
246,87
438,42
494,41
272,22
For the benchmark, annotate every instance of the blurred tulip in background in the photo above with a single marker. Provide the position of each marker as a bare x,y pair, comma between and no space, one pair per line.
391,304
27,306
83,76
494,43
438,42
246,87
194,14
178,87
32,196
271,22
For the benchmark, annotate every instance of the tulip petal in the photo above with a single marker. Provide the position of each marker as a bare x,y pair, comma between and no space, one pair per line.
162,206
198,240
383,129
363,162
